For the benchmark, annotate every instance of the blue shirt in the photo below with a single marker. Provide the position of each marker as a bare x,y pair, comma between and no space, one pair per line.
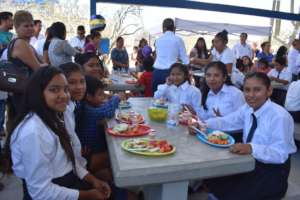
5,38
91,135
119,56
269,57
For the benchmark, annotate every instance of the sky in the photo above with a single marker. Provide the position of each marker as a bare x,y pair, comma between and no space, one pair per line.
153,16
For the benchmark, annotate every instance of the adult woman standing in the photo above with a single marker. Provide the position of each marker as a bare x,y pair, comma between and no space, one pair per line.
60,51
41,145
198,52
220,52
119,56
22,54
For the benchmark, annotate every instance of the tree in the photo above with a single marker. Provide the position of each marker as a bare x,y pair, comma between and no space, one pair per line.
295,24
126,21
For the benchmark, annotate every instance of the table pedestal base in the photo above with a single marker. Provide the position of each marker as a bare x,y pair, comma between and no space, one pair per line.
167,191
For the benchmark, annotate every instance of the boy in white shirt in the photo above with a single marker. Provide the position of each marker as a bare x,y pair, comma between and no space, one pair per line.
292,101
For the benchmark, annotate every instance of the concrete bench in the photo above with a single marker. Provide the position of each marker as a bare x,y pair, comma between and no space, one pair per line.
293,192
297,131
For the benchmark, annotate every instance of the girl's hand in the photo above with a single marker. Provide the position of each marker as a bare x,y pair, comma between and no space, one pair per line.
103,187
169,81
199,125
242,149
95,194
217,112
189,108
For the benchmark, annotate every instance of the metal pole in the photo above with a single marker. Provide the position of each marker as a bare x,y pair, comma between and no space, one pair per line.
93,7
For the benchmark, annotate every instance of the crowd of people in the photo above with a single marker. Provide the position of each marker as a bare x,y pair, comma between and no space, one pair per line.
55,130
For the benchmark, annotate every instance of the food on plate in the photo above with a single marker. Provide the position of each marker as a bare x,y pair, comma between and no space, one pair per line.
130,117
149,145
107,81
120,128
218,137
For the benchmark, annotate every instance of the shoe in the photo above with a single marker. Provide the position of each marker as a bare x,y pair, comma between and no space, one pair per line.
1,186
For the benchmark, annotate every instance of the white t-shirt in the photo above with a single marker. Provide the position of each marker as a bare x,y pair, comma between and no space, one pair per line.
226,56
34,40
284,75
240,50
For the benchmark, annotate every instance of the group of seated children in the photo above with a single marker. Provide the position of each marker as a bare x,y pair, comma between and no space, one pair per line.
63,120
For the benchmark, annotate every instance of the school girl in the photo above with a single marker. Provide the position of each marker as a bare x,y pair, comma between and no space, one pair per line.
267,135
40,144
178,89
219,96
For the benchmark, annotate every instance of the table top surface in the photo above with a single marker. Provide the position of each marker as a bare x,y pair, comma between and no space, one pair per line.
119,83
192,160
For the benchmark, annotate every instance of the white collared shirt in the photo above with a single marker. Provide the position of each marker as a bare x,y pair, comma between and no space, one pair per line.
241,50
184,94
284,75
169,49
237,78
292,101
293,67
69,118
77,42
227,100
34,40
38,157
273,139
40,46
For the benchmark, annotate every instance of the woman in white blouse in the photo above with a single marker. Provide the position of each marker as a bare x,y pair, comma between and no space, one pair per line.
42,146
220,52
219,96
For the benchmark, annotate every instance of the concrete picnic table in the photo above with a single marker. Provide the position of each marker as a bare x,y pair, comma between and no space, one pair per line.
167,178
119,83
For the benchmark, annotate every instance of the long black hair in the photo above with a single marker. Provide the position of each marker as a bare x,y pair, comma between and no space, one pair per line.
203,50
58,29
34,102
205,89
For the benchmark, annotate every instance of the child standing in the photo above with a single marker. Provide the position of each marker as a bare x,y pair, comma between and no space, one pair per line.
146,77
178,89
267,135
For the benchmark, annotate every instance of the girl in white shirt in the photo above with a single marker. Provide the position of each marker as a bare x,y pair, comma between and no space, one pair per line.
41,145
220,52
267,136
178,89
219,96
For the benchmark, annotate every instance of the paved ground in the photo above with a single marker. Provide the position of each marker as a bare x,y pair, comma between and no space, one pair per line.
13,186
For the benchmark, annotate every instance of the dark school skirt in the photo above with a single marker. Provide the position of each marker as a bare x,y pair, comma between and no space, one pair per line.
265,182
70,180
